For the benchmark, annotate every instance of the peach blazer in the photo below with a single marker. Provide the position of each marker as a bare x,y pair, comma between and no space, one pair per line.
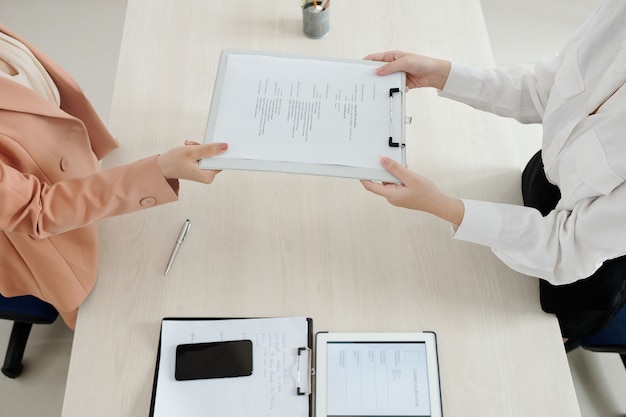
52,190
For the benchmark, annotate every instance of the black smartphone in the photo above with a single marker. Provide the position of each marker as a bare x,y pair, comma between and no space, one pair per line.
213,360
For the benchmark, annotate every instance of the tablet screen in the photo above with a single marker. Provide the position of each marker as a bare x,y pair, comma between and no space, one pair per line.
377,379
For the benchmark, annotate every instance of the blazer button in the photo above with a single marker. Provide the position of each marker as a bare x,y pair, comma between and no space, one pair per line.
63,164
147,202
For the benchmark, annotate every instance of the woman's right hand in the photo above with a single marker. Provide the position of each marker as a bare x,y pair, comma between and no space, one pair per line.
416,192
421,71
182,162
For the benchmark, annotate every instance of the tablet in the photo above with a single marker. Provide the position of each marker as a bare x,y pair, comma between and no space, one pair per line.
377,374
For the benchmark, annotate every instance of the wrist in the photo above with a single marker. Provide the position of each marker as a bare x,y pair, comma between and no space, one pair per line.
448,208
164,167
440,74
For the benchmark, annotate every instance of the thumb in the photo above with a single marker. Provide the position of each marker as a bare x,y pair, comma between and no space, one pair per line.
211,149
395,169
389,68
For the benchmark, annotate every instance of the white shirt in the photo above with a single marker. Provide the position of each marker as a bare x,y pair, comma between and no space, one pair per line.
580,98
29,71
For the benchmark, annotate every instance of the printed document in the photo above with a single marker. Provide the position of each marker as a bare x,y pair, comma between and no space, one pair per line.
306,110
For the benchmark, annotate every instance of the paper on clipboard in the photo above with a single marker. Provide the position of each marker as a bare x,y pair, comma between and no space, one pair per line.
306,115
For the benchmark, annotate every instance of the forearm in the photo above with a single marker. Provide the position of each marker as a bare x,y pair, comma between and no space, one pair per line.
41,210
447,208
513,92
416,192
561,248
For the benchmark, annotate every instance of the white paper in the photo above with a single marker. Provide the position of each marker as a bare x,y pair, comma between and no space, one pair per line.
269,391
308,111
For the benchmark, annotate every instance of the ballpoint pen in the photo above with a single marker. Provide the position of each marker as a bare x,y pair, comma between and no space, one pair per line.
179,241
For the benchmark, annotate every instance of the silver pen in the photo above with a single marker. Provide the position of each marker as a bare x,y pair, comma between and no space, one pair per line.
179,242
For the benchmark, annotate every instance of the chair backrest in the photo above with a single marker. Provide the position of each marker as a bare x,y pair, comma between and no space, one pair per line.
612,337
27,308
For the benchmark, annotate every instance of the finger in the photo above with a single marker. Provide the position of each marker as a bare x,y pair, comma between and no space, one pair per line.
366,183
219,146
210,149
191,142
378,56
387,56
397,170
389,68
375,187
209,176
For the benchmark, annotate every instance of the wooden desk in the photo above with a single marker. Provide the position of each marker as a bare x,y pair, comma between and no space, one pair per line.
265,244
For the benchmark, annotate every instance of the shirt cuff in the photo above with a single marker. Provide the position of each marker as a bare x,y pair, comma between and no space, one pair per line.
482,223
463,82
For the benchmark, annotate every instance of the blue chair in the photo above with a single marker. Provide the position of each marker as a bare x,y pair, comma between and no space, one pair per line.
24,311
611,338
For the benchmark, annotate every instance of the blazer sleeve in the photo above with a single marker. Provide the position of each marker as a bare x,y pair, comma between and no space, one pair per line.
41,210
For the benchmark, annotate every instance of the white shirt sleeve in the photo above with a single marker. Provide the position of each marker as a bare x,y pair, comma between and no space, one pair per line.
515,92
563,247
585,155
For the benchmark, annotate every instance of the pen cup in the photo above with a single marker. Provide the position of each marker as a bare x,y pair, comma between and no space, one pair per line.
316,19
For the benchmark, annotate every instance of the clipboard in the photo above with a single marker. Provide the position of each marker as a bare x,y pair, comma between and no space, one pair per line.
306,115
374,374
281,368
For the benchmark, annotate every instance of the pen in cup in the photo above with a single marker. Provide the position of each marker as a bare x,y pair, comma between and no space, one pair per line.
315,18
179,242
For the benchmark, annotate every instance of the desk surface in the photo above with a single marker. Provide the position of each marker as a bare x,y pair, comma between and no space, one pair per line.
266,244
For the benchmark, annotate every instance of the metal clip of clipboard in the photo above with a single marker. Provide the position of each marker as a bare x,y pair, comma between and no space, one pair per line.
304,371
393,144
